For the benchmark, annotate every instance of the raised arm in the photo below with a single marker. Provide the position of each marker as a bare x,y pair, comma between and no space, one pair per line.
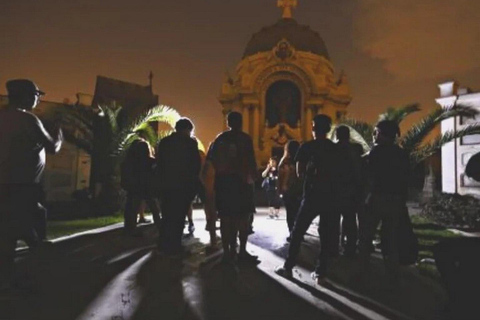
266,171
51,140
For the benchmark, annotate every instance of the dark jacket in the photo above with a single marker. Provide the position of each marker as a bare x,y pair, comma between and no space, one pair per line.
388,170
137,169
178,163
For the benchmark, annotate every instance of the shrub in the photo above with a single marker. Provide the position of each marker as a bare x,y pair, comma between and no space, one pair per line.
452,209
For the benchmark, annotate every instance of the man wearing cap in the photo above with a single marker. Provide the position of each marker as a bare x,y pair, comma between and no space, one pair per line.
23,142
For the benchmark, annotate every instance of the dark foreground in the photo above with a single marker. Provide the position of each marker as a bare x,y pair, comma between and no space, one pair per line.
111,276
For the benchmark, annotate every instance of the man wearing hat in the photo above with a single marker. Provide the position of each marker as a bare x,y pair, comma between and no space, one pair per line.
23,142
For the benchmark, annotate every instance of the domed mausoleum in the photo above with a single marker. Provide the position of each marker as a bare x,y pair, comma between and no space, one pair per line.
284,79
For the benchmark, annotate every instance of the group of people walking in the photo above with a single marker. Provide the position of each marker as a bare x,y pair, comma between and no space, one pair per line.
350,192
340,183
318,178
178,172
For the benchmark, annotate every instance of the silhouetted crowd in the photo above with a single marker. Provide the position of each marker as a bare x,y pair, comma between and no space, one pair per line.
317,178
351,192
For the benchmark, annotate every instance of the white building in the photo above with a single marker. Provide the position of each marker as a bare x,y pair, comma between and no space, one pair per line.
455,155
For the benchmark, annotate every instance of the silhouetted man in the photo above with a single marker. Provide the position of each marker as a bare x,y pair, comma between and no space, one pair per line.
349,188
387,169
178,168
317,161
233,158
23,142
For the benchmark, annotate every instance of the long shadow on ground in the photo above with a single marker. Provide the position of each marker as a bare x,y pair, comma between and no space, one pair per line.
417,297
60,280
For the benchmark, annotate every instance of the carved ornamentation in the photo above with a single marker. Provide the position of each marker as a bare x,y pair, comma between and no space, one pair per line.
283,50
283,72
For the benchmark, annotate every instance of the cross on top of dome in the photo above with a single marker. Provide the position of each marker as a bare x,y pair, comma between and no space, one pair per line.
287,6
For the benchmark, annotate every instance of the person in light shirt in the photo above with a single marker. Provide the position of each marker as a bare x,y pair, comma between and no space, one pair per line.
23,143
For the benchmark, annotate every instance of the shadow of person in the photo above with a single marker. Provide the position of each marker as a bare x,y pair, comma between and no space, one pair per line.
161,280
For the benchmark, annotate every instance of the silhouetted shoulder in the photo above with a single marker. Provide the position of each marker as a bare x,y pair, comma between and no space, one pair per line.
357,148
245,135
221,135
29,117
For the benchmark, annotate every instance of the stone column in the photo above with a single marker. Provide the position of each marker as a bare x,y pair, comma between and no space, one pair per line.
246,119
225,113
307,134
256,126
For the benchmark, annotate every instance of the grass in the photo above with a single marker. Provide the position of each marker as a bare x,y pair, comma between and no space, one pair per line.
421,294
429,234
56,229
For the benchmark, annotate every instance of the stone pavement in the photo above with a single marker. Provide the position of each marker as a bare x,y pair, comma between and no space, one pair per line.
106,275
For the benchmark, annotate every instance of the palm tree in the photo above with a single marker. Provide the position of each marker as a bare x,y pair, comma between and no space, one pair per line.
102,134
413,140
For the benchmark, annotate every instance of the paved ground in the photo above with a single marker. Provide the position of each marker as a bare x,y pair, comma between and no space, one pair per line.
107,275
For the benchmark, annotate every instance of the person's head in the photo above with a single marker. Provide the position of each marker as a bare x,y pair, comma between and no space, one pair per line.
273,161
234,120
343,133
184,126
138,151
321,125
386,131
23,93
291,148
142,137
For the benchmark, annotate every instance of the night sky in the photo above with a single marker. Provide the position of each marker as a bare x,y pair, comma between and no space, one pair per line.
393,52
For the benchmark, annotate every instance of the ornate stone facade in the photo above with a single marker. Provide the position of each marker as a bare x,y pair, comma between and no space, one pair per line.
288,82
456,154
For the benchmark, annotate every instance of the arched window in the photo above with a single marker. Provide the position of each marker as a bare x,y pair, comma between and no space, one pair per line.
283,102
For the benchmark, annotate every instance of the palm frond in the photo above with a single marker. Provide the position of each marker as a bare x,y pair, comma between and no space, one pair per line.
361,132
430,149
77,125
111,113
79,141
160,113
148,133
417,133
201,146
164,133
399,114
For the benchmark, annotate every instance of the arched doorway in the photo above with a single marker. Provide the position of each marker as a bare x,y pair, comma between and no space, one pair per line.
283,100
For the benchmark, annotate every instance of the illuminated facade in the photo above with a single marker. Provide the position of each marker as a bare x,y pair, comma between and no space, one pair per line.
456,154
284,79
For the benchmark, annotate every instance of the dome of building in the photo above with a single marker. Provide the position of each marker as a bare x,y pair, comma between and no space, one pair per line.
301,37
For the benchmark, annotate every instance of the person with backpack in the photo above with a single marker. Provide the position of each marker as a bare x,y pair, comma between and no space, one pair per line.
270,185
233,158
317,161
290,185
